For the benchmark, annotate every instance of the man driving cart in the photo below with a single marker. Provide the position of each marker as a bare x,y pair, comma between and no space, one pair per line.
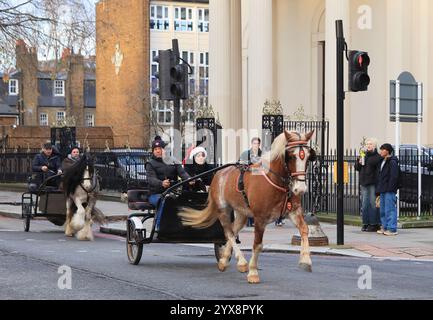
46,164
162,173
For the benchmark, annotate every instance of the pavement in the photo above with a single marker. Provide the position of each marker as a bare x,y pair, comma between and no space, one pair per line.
410,244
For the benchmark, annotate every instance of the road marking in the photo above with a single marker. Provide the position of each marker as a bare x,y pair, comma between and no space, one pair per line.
61,240
115,251
30,240
82,251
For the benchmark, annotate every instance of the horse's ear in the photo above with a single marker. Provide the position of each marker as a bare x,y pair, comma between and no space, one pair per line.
309,135
313,155
290,135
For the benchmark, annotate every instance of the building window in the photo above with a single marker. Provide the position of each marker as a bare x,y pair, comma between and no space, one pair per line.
43,119
163,112
189,57
154,70
203,20
189,115
203,71
60,117
13,87
159,19
89,120
183,19
59,88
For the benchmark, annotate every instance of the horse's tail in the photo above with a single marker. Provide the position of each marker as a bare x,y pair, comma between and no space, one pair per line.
98,216
200,219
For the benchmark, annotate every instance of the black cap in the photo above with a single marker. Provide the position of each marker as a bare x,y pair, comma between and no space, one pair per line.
158,144
387,147
47,146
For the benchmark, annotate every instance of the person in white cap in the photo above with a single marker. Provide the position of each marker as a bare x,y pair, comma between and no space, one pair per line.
199,165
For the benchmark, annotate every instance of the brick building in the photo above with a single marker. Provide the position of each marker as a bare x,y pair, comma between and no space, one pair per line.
129,33
45,93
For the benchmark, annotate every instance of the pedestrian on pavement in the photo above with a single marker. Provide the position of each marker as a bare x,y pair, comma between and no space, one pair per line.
387,188
198,166
368,165
252,156
162,173
46,164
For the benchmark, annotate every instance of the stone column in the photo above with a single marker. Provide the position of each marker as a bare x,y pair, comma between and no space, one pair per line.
335,10
260,61
219,59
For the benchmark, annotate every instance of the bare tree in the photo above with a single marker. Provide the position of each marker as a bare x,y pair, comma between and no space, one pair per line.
48,25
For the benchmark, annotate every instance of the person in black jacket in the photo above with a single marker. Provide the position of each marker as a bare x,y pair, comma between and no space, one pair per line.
368,165
162,173
198,166
46,164
387,188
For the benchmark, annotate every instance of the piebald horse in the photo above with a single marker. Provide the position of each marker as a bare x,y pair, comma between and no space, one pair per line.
81,187
271,188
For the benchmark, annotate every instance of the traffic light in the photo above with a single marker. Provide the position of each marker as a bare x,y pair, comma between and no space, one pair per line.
179,81
358,71
164,60
173,76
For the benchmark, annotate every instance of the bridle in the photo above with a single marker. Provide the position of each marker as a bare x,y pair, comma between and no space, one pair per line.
290,177
93,177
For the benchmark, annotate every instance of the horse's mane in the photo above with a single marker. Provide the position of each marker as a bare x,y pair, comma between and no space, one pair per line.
278,147
74,175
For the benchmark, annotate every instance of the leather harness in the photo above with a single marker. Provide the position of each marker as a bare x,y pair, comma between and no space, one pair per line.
243,168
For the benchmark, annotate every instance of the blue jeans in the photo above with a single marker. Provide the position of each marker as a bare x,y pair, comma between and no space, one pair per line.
154,200
388,211
370,214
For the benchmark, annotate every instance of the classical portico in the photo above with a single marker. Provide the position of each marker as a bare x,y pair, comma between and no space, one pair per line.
285,50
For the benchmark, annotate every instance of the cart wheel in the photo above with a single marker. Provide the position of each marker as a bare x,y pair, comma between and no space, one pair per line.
134,246
218,248
27,215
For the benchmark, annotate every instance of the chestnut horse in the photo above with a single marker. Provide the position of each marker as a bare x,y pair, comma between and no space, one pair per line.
271,188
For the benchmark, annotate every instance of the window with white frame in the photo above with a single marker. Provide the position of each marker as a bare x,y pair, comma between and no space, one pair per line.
183,19
59,88
43,119
13,87
89,120
154,70
203,20
189,57
164,112
159,19
203,74
189,114
60,116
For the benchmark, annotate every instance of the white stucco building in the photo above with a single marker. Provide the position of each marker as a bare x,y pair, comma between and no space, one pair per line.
285,50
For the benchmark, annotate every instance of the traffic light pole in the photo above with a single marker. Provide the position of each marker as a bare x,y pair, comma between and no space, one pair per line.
340,131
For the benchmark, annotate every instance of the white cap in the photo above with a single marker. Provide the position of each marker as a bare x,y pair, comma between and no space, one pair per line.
196,151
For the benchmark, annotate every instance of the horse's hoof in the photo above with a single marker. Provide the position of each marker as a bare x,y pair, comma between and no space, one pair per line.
306,267
243,268
222,267
70,235
254,279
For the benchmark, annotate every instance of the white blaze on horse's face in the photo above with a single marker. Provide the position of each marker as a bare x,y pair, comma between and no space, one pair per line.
299,184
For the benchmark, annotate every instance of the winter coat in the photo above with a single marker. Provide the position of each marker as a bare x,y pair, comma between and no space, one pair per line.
388,176
194,170
40,160
159,170
246,156
368,172
69,162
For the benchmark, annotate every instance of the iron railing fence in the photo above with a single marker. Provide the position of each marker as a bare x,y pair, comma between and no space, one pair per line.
408,194
117,169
